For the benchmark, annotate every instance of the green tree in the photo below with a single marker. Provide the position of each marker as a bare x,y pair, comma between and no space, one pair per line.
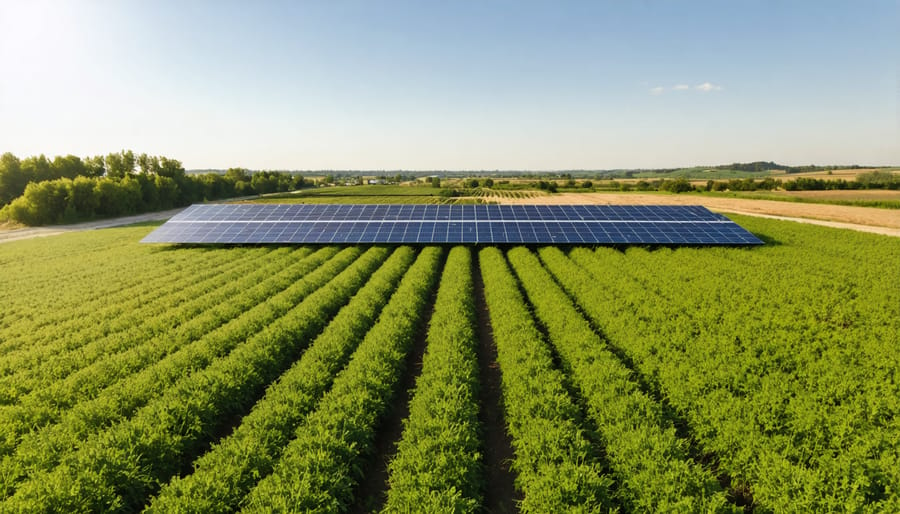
237,175
12,179
94,166
116,165
37,169
171,168
69,166
148,164
680,185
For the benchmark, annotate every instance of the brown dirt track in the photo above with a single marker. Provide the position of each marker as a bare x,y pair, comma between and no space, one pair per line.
865,219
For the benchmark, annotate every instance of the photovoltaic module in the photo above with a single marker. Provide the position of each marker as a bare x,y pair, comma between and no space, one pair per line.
450,224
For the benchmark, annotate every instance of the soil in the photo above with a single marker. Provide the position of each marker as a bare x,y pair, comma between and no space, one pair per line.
500,496
371,493
848,195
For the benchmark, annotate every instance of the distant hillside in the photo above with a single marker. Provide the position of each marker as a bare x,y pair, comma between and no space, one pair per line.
718,172
725,171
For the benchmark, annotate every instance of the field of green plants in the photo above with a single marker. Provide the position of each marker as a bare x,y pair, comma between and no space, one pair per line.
404,379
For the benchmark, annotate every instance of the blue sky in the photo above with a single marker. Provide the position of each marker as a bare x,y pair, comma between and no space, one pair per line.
424,85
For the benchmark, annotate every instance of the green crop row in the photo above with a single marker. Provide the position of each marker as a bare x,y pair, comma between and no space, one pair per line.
41,266
226,473
319,469
119,468
123,279
647,458
781,359
113,313
149,283
438,463
36,287
49,402
554,461
42,448
67,353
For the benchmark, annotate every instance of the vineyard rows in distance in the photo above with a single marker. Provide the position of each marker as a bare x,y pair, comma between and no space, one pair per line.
393,378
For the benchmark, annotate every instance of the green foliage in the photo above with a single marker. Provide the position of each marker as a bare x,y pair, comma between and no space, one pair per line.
224,475
437,466
36,191
549,186
555,465
122,465
780,359
70,410
57,349
644,452
679,185
318,469
128,370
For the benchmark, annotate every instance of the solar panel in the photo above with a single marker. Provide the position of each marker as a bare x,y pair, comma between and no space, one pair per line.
451,224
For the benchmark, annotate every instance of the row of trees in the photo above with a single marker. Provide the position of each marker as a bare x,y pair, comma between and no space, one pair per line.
38,191
15,174
870,180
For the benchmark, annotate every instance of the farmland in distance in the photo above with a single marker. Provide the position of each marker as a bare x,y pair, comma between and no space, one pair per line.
451,379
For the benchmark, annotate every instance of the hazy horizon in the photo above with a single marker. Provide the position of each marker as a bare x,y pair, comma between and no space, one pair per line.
421,86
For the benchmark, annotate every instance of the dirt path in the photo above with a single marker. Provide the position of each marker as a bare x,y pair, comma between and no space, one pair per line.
864,219
18,234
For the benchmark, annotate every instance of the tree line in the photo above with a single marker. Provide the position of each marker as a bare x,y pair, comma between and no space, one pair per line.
37,190
869,180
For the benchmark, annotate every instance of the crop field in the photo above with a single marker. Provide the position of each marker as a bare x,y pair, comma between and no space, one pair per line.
488,194
391,194
540,379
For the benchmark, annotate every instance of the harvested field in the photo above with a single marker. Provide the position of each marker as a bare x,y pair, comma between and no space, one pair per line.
848,174
850,195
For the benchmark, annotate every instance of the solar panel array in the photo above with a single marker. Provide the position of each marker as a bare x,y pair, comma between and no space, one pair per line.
450,224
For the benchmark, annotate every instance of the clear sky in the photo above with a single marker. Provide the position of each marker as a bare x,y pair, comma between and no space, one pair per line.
484,84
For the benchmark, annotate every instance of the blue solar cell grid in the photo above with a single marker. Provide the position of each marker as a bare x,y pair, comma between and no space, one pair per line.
425,224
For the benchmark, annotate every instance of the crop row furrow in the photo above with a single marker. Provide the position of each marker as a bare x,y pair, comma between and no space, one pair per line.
41,449
438,460
555,464
46,404
222,476
751,390
651,464
320,467
119,468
